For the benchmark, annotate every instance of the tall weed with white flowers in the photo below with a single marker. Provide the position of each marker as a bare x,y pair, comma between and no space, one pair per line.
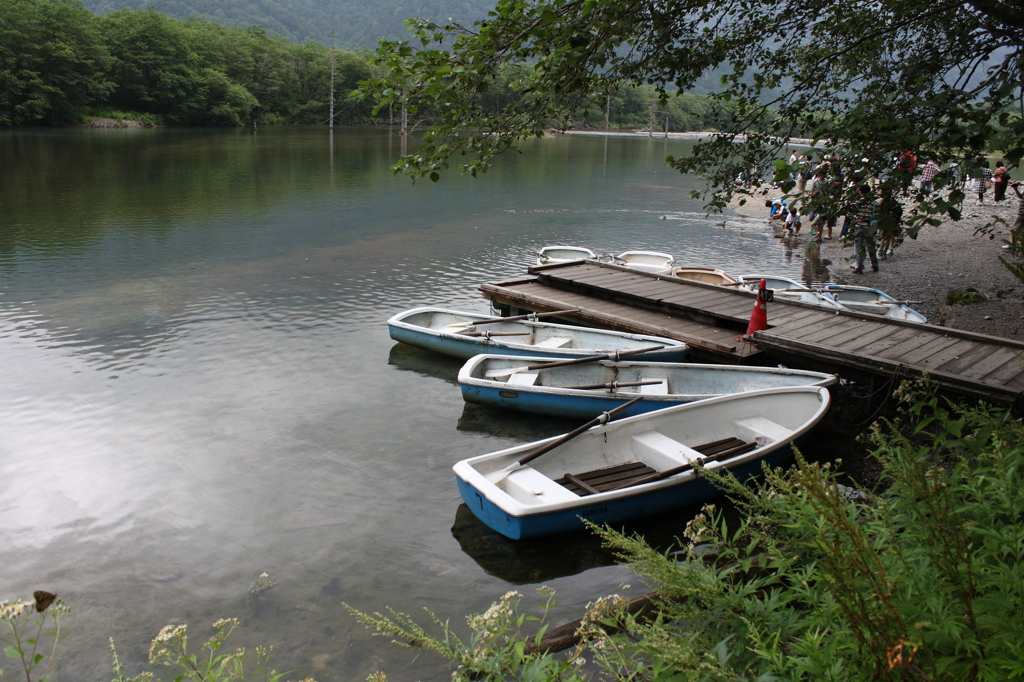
33,651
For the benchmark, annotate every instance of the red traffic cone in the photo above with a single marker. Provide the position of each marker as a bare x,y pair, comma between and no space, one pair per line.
759,316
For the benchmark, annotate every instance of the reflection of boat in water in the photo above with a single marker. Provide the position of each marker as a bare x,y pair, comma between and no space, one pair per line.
538,560
411,359
551,255
502,423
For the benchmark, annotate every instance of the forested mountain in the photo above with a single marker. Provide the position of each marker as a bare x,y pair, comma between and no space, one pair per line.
358,23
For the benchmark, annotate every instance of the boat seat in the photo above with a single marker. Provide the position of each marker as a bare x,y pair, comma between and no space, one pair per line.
554,342
660,451
654,389
523,379
759,426
530,486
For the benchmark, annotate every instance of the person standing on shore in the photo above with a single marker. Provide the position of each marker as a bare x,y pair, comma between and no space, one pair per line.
863,230
984,180
1018,225
1000,179
930,169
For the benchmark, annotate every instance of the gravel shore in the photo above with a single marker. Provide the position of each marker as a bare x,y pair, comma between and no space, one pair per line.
943,260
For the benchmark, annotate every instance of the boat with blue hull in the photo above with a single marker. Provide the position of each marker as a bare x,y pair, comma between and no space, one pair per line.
581,391
464,335
639,465
874,302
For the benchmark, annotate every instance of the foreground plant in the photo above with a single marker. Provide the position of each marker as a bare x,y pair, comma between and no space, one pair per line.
496,648
23,637
923,580
170,648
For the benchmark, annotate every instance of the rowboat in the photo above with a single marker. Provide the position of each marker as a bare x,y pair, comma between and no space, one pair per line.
706,275
464,335
562,254
637,466
873,301
773,282
787,289
580,391
648,261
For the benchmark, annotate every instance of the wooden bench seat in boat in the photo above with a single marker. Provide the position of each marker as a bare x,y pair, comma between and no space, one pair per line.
600,480
554,342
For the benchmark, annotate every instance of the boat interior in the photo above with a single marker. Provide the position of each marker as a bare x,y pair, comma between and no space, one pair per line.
655,453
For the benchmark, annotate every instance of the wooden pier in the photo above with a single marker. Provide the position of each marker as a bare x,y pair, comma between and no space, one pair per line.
710,319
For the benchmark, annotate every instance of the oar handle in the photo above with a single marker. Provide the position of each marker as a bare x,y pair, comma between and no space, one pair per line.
602,419
594,358
612,384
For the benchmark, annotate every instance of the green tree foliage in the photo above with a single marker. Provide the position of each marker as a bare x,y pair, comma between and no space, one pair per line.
52,62
919,581
939,78
59,61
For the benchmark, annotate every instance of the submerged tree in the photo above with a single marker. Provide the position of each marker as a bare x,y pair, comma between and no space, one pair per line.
864,80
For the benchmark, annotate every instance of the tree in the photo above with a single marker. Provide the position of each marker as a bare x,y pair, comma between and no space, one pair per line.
52,62
865,81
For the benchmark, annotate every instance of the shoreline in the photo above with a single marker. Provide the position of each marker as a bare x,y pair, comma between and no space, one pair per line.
928,270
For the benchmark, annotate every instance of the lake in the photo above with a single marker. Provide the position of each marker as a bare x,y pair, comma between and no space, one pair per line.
199,386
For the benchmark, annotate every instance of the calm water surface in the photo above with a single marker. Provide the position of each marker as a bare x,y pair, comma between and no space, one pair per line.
198,385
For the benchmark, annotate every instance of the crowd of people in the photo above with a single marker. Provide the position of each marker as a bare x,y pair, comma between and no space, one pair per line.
873,222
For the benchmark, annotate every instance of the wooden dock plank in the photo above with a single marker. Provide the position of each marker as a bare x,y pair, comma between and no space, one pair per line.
946,354
901,349
965,359
936,345
813,333
991,362
789,315
853,334
869,346
1007,373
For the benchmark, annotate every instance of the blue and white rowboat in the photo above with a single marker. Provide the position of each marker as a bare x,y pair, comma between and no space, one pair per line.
505,381
620,461
453,333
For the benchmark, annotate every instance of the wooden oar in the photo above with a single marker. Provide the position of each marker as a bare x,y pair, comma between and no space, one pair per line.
728,454
611,384
615,355
490,334
511,319
603,418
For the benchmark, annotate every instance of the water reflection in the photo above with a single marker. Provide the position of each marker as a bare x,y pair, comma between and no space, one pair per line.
199,384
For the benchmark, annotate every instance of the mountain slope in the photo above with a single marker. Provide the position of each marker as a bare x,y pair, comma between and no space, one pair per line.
357,23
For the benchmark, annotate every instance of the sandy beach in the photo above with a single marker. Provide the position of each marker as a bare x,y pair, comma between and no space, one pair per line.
928,270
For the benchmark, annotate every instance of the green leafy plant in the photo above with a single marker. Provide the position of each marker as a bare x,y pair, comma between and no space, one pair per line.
24,638
497,648
920,580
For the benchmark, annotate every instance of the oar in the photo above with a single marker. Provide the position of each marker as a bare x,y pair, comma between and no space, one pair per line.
511,319
612,385
488,334
728,454
603,418
614,355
